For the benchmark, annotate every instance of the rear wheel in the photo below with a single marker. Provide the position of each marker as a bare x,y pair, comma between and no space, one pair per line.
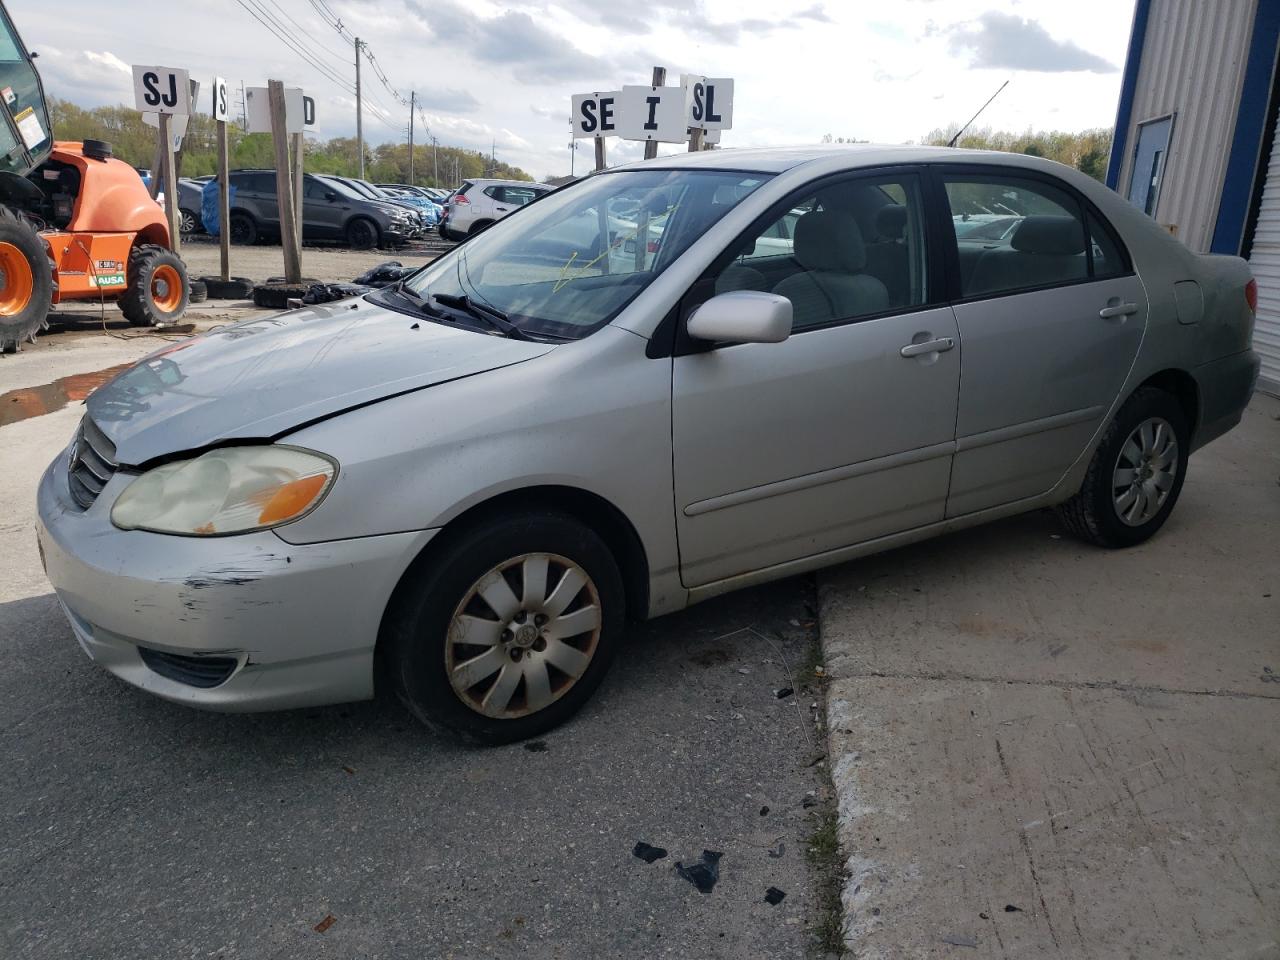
509,630
156,295
188,222
26,282
243,229
1136,473
479,225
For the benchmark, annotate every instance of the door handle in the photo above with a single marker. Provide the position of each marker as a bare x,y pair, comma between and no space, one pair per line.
1113,310
502,209
941,345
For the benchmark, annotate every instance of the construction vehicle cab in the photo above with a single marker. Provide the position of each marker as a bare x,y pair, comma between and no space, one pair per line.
75,223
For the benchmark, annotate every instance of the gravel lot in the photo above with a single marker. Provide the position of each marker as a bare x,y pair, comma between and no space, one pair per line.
325,263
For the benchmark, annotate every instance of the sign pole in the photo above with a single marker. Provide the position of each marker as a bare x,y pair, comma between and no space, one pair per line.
170,183
651,146
157,166
695,139
600,153
284,189
224,201
296,143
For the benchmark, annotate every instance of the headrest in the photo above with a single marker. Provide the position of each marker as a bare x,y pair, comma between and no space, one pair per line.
829,240
891,221
1060,235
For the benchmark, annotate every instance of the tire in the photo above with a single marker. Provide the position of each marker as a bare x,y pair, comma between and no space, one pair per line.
421,628
237,288
188,222
197,292
158,291
1097,514
362,234
478,226
276,295
26,287
244,229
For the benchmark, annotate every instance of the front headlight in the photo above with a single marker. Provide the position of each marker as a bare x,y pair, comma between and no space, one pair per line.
232,490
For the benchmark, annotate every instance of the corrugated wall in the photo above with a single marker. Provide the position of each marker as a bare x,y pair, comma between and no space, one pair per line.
1192,66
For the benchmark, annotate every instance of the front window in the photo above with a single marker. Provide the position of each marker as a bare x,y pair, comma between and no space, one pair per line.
569,263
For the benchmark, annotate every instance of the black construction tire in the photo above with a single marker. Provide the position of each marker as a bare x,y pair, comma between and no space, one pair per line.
1091,514
237,288
138,302
197,292
478,226
23,324
244,229
363,234
418,619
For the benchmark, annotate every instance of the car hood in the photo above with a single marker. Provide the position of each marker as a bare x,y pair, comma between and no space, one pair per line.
262,378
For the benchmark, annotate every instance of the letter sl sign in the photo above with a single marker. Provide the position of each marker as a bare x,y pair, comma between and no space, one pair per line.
595,114
162,90
709,102
652,113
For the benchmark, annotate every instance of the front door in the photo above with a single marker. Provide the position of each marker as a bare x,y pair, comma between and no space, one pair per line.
1051,315
842,433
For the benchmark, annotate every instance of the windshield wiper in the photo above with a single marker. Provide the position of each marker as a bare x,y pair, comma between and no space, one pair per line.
495,318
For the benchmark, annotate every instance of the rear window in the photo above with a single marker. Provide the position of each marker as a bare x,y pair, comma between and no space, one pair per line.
462,190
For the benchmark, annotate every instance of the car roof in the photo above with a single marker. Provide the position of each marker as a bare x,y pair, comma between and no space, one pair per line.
780,159
514,183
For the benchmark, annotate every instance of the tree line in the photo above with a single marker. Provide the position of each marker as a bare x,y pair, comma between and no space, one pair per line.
1087,151
134,142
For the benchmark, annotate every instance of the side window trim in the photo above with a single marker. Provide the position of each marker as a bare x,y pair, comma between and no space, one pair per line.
938,174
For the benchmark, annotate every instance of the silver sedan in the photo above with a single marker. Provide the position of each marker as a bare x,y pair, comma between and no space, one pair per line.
664,382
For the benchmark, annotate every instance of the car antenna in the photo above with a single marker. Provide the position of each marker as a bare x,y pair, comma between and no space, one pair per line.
952,143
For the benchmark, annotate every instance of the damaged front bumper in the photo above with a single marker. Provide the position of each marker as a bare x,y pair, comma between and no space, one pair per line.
235,623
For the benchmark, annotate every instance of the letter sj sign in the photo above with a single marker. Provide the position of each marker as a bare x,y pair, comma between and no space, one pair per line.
162,90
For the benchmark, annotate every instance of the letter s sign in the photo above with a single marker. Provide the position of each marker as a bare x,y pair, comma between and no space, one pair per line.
221,102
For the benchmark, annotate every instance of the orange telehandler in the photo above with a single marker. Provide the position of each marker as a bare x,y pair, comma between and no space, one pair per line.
75,223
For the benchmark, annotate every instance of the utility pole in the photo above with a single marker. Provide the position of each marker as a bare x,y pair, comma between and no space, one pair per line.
412,98
359,113
244,116
435,161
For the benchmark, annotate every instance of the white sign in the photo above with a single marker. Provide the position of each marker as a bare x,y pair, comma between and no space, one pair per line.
221,101
595,114
178,124
299,110
708,101
652,113
162,90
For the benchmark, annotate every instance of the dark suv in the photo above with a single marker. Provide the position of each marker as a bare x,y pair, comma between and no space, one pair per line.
330,211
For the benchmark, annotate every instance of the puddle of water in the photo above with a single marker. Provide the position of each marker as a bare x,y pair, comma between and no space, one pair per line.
37,401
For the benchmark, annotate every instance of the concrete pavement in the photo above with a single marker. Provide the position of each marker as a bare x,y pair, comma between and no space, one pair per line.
1043,749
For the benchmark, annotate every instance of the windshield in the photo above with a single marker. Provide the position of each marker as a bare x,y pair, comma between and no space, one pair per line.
570,262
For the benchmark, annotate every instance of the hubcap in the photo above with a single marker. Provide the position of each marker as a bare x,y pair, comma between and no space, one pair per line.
16,280
523,635
1145,471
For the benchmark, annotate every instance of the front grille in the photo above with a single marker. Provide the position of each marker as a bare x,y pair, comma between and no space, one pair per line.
93,463
203,672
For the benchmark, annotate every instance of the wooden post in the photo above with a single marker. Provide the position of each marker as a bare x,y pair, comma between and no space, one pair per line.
284,189
170,183
651,146
224,201
156,165
695,139
296,148
600,153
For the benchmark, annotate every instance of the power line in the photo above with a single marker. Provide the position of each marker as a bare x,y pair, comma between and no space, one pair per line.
264,17
316,40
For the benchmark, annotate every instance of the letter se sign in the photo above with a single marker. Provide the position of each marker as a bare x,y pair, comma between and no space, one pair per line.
594,114
162,90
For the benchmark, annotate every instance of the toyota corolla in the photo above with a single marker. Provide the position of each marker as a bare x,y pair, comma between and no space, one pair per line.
664,382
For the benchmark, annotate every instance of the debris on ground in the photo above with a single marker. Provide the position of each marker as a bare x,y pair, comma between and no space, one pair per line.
957,940
704,873
385,273
1010,908
764,811
536,746
783,693
773,896
325,924
329,292
778,851
647,853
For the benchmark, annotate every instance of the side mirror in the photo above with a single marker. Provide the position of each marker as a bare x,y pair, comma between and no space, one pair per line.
742,316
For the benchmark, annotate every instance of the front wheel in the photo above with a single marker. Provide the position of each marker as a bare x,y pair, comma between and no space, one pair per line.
157,292
508,631
362,234
1136,473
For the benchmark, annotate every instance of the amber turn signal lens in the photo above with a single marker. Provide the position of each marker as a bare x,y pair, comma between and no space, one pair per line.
291,499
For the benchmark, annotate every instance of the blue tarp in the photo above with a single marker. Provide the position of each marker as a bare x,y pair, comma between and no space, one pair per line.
209,205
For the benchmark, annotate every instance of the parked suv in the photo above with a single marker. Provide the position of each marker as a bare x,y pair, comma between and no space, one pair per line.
478,203
330,211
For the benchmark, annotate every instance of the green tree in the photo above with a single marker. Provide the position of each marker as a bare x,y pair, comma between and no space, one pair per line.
1087,151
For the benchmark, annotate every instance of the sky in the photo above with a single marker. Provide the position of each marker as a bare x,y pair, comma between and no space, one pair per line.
502,73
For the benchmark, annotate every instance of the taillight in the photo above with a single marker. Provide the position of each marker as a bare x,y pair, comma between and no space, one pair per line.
1251,296
461,200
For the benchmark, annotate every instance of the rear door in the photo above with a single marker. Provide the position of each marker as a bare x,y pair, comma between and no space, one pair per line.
1050,318
842,433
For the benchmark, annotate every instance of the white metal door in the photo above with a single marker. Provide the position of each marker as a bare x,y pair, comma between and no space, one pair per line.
1265,261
